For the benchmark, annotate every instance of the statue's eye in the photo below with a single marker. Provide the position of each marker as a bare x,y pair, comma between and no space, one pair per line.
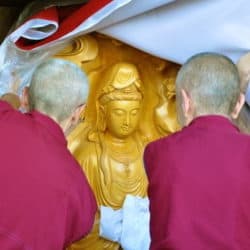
134,111
118,112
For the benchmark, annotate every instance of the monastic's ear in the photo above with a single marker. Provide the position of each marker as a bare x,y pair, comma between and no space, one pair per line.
25,99
186,103
77,114
239,104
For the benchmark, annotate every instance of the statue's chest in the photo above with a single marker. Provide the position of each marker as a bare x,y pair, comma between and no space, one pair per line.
126,168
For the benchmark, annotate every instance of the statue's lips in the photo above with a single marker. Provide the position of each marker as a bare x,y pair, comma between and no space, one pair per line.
125,128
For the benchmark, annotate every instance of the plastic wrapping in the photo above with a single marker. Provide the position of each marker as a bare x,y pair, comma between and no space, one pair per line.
17,65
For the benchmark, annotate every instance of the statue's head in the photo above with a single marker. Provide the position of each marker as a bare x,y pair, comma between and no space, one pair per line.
120,99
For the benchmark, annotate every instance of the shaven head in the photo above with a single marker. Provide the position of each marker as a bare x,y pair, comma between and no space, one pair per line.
57,88
212,83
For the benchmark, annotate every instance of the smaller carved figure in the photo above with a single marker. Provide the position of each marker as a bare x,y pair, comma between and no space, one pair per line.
165,113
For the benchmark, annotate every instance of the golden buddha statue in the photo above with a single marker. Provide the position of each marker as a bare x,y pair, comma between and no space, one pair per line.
95,53
111,156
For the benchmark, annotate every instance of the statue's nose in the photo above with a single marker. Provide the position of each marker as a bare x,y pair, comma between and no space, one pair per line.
127,120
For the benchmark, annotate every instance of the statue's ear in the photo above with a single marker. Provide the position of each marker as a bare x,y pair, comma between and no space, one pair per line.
101,121
102,109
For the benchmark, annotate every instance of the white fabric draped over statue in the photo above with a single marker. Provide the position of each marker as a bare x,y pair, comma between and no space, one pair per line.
173,30
170,29
177,30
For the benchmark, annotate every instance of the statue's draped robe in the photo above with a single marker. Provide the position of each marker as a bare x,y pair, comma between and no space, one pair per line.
110,189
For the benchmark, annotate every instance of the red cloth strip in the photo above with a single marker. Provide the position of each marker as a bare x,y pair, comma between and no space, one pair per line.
67,25
47,14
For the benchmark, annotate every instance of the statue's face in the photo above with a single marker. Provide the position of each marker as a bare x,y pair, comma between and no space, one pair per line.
122,117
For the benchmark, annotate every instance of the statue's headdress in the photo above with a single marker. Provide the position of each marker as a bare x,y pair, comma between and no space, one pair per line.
121,82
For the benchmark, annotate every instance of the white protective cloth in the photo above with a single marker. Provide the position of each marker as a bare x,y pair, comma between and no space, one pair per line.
111,223
35,29
173,30
129,225
180,29
114,12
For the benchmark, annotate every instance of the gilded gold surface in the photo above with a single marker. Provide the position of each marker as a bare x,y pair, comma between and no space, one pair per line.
131,102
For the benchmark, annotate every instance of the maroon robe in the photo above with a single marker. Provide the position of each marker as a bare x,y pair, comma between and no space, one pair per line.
45,200
199,187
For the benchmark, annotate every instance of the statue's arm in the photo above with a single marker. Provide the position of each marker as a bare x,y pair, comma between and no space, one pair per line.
86,156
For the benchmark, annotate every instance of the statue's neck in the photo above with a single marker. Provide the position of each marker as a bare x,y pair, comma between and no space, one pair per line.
119,142
123,150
